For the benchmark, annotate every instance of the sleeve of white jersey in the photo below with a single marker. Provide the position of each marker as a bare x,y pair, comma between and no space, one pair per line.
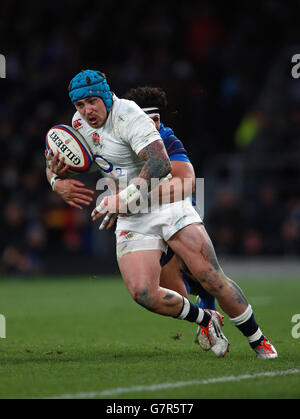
136,127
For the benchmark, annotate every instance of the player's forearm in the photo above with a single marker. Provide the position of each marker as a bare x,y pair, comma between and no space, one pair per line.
172,190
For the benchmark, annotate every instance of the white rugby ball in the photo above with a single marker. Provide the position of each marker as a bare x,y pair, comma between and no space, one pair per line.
71,145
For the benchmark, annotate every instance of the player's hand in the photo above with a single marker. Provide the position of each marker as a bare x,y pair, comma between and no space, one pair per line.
72,191
56,165
108,221
109,207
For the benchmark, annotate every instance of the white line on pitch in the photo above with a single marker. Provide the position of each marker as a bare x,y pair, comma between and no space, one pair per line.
163,386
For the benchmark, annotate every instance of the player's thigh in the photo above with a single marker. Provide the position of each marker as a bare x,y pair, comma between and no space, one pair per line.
170,276
193,245
140,271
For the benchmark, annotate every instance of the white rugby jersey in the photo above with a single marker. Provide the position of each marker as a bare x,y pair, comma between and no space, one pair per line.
116,144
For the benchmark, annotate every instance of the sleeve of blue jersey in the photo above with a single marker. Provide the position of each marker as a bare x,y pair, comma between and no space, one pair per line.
179,157
175,149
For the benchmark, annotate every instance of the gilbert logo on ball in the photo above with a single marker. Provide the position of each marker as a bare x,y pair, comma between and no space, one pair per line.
71,145
2,67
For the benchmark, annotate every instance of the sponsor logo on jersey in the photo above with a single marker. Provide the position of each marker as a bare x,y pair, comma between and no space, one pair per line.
77,123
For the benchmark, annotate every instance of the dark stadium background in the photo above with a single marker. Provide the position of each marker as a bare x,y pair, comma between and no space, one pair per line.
226,67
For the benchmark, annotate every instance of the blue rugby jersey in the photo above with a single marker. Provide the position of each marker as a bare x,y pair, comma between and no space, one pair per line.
174,146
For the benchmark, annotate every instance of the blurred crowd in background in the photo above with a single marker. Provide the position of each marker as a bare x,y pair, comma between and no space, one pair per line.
226,68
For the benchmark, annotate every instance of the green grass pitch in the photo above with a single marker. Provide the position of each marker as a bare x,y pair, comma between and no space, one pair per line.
85,337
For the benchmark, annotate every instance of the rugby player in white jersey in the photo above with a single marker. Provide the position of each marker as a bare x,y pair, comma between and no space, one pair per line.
125,142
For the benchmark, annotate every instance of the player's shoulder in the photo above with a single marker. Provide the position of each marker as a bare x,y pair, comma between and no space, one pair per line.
125,108
173,145
126,118
168,136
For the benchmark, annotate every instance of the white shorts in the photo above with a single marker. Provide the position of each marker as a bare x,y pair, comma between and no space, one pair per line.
152,230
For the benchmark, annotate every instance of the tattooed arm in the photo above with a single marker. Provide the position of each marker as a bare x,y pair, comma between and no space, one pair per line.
157,163
157,166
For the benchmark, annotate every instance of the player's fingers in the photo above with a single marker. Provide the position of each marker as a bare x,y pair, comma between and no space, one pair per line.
64,169
112,221
84,197
83,190
94,212
48,155
100,209
99,214
55,158
81,201
54,163
105,221
74,205
61,163
76,182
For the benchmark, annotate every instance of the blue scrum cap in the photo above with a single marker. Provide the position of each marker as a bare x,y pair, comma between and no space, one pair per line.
89,83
